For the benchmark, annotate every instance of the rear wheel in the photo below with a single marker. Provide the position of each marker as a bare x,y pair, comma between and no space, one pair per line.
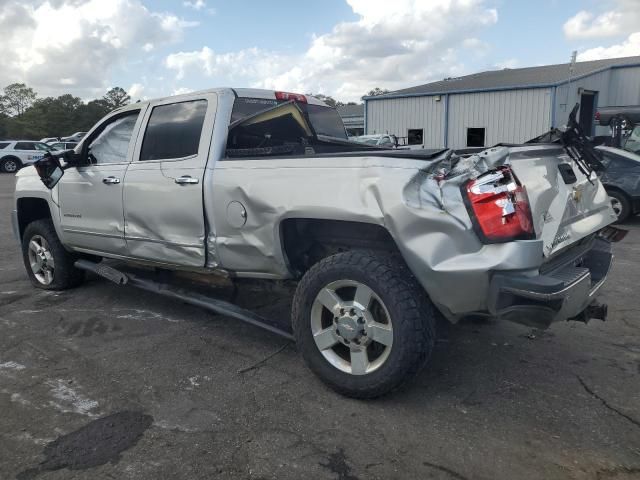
362,323
621,205
10,165
48,264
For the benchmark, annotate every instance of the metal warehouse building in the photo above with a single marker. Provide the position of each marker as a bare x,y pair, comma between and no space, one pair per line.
510,105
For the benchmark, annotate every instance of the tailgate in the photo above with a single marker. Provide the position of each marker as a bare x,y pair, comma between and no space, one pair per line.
566,206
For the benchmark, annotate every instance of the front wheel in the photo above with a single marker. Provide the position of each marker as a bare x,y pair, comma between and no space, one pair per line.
48,264
362,323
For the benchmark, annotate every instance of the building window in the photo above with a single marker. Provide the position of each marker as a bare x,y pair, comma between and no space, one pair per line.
475,137
414,136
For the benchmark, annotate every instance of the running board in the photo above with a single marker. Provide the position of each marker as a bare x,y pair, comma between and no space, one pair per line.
192,298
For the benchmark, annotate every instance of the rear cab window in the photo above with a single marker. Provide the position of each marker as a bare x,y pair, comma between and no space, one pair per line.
324,120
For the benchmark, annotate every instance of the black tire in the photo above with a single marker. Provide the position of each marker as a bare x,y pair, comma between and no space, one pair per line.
65,275
412,316
10,165
621,204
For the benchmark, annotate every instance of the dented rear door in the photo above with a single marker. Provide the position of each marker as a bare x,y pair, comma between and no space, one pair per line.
163,188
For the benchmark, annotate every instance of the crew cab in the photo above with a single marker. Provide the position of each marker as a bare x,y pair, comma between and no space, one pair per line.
259,184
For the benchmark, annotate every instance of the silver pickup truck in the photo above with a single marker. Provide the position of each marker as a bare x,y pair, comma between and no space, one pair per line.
382,243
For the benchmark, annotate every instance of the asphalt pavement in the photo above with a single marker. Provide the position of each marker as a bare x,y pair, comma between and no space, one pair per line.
107,382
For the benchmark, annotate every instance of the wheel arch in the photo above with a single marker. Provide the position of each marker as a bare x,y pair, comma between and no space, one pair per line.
30,209
305,241
614,188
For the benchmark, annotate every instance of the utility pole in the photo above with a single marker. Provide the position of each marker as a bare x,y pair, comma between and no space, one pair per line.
572,68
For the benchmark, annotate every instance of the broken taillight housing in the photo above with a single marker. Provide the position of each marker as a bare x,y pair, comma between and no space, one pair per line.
296,97
499,207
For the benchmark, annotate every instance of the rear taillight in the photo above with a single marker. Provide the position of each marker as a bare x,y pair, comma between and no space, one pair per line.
499,207
597,116
296,97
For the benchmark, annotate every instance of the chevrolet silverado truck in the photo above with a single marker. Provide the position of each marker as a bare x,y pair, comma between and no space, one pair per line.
381,243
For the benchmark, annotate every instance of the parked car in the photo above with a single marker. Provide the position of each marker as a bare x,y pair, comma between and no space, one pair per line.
388,141
259,184
63,145
76,137
14,154
50,140
621,179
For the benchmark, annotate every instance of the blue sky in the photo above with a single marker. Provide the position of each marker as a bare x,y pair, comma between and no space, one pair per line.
337,47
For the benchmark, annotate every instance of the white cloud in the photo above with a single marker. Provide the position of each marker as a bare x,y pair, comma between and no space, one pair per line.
196,4
385,47
623,19
54,44
630,47
135,91
181,91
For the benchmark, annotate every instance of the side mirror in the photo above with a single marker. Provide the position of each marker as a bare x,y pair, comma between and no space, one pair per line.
49,170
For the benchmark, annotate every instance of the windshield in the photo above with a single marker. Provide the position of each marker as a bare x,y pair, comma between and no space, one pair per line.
42,146
324,120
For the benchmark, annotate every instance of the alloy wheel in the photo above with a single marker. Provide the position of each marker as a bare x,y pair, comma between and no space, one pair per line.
616,205
41,260
351,327
10,166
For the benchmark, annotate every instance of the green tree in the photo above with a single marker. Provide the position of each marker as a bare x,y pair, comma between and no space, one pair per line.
377,91
329,100
16,99
89,114
116,97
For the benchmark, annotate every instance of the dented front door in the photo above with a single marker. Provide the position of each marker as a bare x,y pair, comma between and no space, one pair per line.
163,206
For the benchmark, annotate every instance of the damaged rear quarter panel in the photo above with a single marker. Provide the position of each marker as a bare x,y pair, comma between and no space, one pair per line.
430,227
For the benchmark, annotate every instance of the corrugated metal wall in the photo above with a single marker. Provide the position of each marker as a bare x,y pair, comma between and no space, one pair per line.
507,116
625,86
511,116
398,115
567,96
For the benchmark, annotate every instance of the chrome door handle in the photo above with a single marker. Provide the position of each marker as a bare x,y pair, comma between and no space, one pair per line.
110,180
186,180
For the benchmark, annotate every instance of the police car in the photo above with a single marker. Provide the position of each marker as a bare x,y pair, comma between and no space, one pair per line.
15,154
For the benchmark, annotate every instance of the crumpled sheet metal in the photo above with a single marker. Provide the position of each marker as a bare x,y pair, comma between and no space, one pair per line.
438,185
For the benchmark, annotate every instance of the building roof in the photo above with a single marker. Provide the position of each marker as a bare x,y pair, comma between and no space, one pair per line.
510,78
351,110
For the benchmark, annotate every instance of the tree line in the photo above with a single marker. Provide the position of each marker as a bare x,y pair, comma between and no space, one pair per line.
23,115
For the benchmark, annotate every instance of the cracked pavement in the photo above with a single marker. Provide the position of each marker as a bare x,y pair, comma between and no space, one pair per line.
107,382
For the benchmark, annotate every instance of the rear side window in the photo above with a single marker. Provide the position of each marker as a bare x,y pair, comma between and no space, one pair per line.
25,146
174,131
3,145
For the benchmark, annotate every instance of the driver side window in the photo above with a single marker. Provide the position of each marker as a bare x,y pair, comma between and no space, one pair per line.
112,143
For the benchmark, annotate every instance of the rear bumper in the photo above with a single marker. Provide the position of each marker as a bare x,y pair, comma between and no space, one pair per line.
560,293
